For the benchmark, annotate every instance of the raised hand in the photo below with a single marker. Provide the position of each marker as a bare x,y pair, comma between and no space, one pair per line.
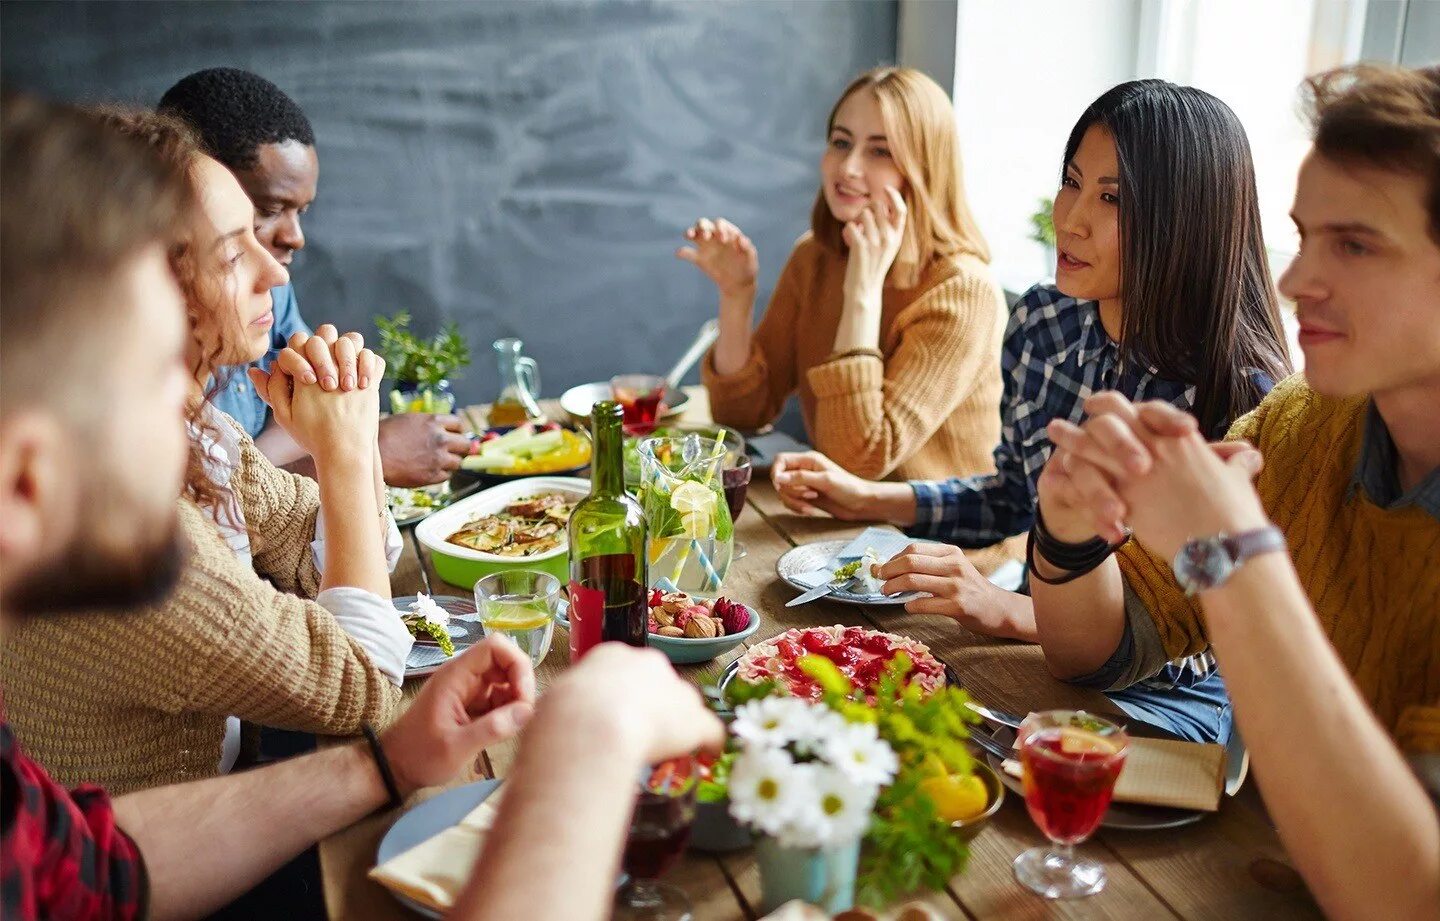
664,712
329,424
1099,478
483,696
720,250
874,241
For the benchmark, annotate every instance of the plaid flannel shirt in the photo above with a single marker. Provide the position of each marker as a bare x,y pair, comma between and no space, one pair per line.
1055,355
62,856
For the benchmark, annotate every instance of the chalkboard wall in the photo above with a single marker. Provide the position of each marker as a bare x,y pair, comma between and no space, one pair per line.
524,168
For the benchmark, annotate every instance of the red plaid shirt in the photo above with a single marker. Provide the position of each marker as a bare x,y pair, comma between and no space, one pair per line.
61,854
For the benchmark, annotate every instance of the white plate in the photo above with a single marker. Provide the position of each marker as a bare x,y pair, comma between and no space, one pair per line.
441,524
577,400
809,557
427,820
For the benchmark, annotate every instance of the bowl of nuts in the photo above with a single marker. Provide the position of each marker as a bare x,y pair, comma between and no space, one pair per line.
689,628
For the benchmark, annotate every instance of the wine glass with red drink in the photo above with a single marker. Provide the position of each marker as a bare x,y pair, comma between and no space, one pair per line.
640,396
1071,761
659,830
735,480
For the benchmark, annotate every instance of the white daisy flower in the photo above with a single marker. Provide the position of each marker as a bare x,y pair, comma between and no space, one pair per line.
772,721
864,757
766,789
425,608
836,810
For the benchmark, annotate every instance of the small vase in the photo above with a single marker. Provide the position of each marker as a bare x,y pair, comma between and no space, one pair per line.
409,397
821,876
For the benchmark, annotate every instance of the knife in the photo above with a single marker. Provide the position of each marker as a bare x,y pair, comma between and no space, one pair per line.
995,716
811,595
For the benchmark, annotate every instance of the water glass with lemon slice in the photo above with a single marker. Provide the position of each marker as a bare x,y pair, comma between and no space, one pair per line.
521,604
690,534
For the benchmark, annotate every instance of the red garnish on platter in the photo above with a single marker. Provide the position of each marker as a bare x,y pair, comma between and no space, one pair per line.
861,655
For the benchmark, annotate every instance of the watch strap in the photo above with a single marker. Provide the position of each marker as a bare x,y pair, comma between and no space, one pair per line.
1252,543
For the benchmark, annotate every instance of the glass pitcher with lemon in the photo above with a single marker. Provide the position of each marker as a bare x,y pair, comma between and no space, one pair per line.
691,535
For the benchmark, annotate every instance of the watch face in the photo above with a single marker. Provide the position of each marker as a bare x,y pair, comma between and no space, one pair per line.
1202,564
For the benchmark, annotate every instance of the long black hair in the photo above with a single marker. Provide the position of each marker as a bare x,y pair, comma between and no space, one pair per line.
1198,302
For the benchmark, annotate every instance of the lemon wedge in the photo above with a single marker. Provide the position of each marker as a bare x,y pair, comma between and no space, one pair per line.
956,798
691,498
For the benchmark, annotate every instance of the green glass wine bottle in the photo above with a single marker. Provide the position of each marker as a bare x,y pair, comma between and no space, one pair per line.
608,566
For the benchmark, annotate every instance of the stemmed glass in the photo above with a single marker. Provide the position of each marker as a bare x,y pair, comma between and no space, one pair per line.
735,479
1071,761
659,831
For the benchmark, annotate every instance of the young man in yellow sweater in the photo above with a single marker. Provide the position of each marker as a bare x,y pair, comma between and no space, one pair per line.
1332,653
89,305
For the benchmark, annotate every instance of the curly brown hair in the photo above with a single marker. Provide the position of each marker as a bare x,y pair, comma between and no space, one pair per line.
179,146
1381,116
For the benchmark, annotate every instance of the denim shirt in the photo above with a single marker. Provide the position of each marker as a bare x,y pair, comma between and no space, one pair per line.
237,397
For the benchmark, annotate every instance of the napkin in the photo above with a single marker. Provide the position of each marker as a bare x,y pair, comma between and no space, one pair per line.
1166,772
884,542
434,871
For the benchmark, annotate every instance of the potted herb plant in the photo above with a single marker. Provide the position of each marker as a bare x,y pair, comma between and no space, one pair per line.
904,775
1042,230
420,369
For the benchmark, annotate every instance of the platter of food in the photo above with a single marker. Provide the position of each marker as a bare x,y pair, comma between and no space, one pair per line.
516,525
531,449
860,653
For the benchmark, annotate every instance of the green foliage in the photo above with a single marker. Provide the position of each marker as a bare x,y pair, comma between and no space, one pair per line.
412,360
439,634
1042,224
907,846
716,787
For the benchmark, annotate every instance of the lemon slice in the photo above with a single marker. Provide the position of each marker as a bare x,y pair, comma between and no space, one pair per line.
1082,742
956,798
514,617
697,524
691,498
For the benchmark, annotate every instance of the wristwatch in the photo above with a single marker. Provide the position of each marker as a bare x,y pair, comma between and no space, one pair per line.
1207,562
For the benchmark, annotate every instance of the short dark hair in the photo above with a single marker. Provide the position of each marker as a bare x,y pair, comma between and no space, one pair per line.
235,112
1382,116
78,200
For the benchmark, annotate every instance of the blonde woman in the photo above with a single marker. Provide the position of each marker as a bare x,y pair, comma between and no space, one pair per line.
154,694
885,319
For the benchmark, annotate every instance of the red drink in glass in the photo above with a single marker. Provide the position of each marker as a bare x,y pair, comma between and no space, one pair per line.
1067,792
659,830
639,395
1071,761
735,479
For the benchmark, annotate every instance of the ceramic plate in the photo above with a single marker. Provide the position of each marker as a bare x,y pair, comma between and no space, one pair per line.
577,400
427,820
426,656
808,557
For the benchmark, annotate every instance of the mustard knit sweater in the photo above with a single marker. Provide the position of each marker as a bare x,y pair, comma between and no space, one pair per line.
927,408
138,698
1372,575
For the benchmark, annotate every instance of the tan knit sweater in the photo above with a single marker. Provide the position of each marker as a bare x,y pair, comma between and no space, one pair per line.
1373,574
928,409
139,698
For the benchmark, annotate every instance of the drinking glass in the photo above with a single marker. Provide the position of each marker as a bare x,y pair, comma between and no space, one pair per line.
735,478
1071,760
520,603
639,395
659,830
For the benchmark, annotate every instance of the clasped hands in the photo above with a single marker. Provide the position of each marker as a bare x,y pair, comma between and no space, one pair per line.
1145,467
324,390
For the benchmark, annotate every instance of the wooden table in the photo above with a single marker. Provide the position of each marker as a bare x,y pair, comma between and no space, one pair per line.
1229,866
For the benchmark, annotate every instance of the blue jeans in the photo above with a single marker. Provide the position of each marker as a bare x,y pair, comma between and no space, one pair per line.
1197,710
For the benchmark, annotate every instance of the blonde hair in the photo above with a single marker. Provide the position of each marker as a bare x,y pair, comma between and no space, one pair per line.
920,129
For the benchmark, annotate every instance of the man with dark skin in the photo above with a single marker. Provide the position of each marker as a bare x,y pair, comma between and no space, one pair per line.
262,136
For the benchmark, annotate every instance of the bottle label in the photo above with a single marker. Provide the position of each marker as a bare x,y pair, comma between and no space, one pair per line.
587,618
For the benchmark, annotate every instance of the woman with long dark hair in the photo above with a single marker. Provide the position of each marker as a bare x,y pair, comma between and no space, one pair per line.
1162,292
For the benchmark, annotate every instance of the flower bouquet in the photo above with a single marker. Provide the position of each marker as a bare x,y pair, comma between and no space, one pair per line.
890,771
